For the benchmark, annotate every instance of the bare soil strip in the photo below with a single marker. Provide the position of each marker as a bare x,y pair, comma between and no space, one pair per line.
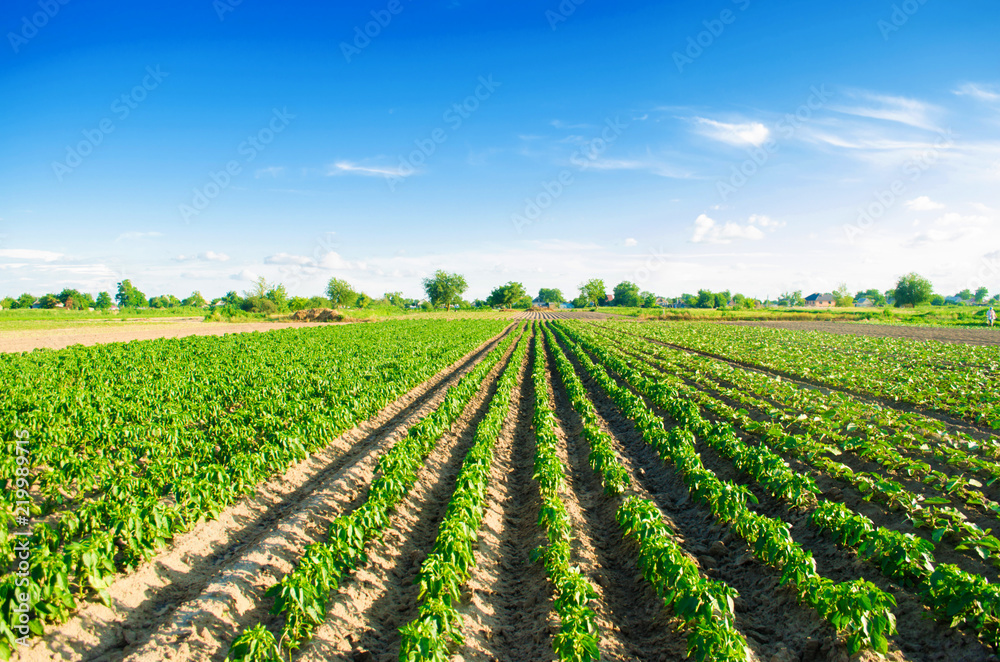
776,627
251,543
919,638
364,617
508,613
25,341
633,623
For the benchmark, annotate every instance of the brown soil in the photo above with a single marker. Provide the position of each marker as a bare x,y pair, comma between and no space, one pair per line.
25,341
191,600
316,315
366,614
981,336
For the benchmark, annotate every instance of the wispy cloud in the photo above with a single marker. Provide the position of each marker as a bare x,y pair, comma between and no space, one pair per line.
748,133
137,235
349,168
208,256
30,254
631,242
270,171
910,112
981,92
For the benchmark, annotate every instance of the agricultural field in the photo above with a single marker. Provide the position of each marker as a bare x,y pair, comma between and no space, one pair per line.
547,488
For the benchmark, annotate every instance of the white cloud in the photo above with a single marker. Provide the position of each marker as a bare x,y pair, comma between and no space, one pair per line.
892,109
707,231
208,256
923,203
981,92
30,254
765,222
244,274
631,242
287,258
348,168
271,171
137,235
749,133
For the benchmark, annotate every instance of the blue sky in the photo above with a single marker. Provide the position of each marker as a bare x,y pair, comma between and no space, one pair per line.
759,147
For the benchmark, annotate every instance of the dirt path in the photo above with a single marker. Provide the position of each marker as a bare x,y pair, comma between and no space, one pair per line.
190,598
508,615
25,341
961,335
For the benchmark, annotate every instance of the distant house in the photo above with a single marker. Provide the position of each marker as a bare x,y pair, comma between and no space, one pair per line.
864,302
37,304
821,300
566,306
540,302
663,302
956,301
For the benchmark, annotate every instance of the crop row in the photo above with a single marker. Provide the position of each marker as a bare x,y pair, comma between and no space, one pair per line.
302,594
947,590
932,513
577,639
438,626
705,605
148,482
859,608
970,393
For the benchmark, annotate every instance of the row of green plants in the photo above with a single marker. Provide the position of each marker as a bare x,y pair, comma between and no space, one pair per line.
437,629
790,431
858,608
964,598
918,373
704,605
302,594
133,443
577,639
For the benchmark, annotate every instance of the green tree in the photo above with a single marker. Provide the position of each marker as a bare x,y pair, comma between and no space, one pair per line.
843,297
319,302
594,291
722,299
8,303
981,294
394,299
872,295
551,295
937,300
580,302
341,293
195,300
129,296
363,300
647,299
103,301
706,299
913,289
965,295
277,295
791,299
444,289
508,296
50,301
626,294
232,299
25,300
